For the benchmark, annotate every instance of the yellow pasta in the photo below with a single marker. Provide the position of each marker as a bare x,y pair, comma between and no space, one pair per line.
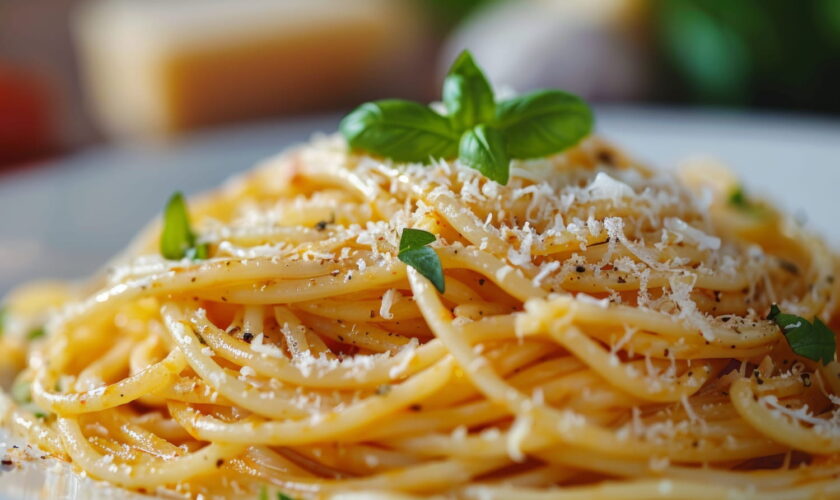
602,334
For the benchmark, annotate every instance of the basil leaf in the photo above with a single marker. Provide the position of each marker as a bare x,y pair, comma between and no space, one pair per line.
427,263
415,253
543,123
36,333
263,495
819,345
283,496
199,252
467,94
813,341
738,199
483,148
177,239
415,238
404,131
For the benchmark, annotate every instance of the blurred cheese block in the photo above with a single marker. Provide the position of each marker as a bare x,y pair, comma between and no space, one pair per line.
156,67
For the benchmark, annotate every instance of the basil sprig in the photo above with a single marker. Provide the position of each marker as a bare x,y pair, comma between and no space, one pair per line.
814,341
178,239
485,135
415,253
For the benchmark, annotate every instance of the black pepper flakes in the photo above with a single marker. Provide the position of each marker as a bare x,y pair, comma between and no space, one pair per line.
788,266
248,337
606,157
580,269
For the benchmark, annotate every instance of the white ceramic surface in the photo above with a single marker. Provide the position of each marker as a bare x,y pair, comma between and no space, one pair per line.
65,219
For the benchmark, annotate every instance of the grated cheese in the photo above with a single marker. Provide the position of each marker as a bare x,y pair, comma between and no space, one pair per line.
604,187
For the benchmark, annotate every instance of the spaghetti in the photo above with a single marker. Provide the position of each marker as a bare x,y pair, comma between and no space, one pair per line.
602,335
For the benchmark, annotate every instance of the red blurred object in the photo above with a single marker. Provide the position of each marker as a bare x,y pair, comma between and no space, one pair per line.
26,128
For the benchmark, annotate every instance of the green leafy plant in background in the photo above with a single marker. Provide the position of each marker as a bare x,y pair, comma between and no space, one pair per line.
752,52
446,14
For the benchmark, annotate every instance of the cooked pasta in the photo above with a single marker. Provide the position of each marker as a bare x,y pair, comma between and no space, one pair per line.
602,334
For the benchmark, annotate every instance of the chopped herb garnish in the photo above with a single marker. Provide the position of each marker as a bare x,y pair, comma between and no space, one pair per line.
36,333
415,253
178,239
738,199
3,313
814,341
263,495
484,134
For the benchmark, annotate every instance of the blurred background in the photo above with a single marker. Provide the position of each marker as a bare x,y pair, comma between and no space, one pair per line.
107,106
74,73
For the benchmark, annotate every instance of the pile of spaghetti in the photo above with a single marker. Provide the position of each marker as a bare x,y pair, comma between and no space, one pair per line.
602,335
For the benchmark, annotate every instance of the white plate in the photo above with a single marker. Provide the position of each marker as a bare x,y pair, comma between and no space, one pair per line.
68,218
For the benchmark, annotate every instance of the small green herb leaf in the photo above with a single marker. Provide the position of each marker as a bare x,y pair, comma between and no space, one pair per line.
401,130
415,238
263,494
467,94
198,252
543,123
415,253
814,341
177,239
483,148
36,333
738,199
